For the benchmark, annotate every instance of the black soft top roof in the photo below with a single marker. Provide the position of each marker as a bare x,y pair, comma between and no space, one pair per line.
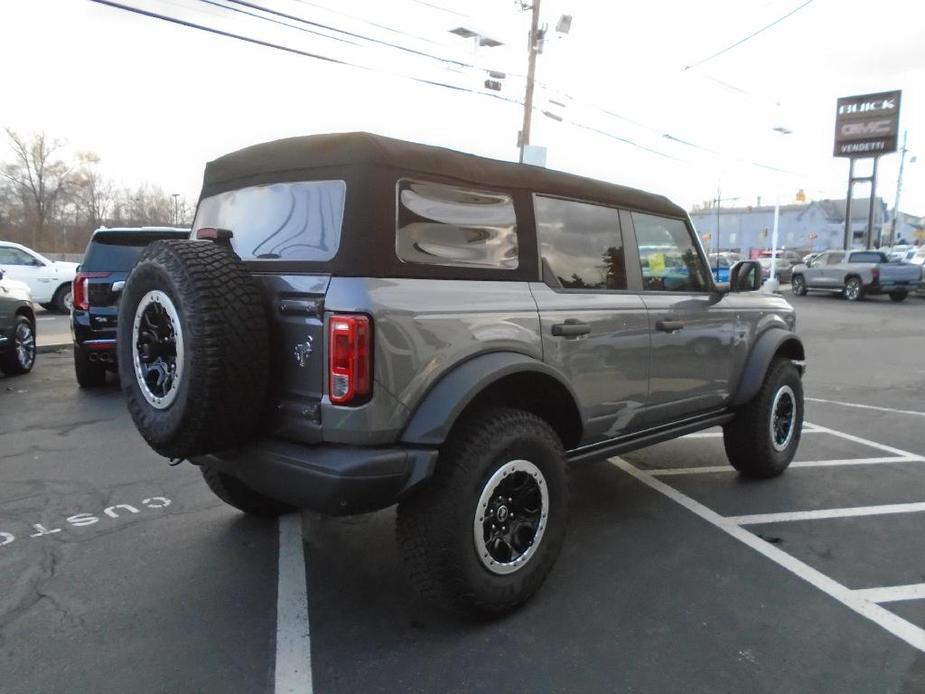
300,158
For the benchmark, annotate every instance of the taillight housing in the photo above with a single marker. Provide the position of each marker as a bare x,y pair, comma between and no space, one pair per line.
350,359
79,294
875,273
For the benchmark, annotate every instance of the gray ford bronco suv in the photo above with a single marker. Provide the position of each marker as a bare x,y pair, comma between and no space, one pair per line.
358,321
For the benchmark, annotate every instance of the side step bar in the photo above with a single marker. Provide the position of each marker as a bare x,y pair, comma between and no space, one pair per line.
640,439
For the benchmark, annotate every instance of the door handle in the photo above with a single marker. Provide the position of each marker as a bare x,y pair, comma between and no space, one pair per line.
572,327
669,326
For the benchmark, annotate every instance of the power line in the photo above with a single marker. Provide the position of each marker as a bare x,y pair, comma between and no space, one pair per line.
370,22
296,18
749,37
276,21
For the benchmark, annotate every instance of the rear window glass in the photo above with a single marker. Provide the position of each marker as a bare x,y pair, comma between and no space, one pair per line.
280,221
452,226
868,258
115,255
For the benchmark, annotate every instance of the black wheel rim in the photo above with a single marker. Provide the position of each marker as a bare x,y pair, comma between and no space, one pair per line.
157,349
25,345
511,515
783,418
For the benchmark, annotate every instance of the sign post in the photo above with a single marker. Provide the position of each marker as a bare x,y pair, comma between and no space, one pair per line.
866,126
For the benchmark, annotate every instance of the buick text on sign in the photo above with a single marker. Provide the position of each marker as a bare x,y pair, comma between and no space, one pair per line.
867,125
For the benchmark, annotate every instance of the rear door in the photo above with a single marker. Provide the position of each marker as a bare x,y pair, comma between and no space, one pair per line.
594,328
277,226
692,326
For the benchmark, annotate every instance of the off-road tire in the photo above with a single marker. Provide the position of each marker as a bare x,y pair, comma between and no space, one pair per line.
89,375
798,285
225,334
854,289
60,300
435,525
748,439
10,363
235,493
898,296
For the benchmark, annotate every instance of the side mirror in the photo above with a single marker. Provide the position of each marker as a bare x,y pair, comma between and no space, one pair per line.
745,276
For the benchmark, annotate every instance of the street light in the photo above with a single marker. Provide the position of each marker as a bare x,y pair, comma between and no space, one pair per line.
176,209
772,285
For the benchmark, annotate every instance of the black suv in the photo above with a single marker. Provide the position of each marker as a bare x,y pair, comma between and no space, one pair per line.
107,261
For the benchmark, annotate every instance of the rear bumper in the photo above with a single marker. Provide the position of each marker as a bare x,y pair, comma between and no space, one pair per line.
882,287
329,479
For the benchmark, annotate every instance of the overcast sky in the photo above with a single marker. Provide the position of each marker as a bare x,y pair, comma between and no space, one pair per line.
157,100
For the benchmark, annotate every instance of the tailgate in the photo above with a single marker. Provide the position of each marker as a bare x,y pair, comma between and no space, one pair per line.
104,302
900,273
295,307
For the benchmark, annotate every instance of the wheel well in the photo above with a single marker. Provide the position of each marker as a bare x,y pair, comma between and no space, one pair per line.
791,349
538,393
27,312
853,274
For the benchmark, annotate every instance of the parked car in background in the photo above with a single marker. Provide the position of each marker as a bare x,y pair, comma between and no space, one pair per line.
857,273
48,280
898,252
790,257
784,269
17,327
109,258
720,264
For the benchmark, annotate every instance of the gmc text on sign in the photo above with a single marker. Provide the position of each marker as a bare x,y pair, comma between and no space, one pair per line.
867,125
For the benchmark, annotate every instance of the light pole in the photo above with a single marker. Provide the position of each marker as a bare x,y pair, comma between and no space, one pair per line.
533,47
176,209
773,284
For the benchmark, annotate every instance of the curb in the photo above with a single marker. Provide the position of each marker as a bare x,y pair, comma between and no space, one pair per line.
44,349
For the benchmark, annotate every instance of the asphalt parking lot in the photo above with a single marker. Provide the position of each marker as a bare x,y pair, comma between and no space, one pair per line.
120,573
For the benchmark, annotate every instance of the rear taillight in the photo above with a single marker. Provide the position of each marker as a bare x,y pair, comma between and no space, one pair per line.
875,273
79,293
350,349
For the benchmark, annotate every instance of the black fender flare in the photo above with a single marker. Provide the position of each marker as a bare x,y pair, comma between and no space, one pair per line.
770,343
435,415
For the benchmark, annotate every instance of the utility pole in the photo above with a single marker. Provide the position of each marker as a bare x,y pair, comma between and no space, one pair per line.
899,187
531,72
176,209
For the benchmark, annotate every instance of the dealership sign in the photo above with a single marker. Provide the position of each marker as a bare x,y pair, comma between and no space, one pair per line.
867,125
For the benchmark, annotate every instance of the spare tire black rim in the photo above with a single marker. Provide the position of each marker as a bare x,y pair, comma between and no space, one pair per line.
783,418
510,518
157,349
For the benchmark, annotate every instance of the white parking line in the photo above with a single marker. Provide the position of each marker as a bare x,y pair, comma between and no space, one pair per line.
820,514
667,472
899,627
866,442
293,643
866,407
915,591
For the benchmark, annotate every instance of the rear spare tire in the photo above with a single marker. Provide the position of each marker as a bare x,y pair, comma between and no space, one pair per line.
193,348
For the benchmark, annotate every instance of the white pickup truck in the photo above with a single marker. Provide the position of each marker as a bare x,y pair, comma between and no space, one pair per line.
858,274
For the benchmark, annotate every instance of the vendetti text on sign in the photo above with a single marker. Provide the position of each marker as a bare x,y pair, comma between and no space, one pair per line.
867,125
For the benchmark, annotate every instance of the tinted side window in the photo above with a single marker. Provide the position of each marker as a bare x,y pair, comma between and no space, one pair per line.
451,226
834,258
581,243
670,260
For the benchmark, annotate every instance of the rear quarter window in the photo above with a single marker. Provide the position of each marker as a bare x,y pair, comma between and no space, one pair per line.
455,226
279,221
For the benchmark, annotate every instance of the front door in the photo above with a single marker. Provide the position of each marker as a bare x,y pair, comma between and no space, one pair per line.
22,266
692,326
594,330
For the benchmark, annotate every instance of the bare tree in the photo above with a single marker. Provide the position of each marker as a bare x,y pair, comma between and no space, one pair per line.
38,175
92,194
